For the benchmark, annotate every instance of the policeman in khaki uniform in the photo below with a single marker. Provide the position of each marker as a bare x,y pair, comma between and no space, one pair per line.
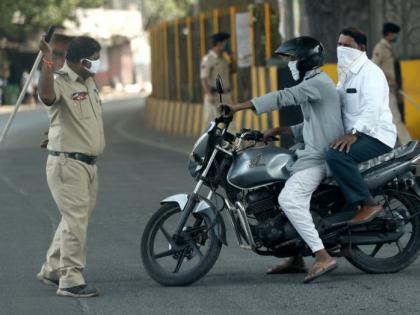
384,58
212,64
75,139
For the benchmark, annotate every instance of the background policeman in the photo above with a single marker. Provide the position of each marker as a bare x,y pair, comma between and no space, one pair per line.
212,64
384,58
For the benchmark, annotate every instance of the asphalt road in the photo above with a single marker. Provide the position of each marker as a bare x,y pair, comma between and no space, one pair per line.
137,170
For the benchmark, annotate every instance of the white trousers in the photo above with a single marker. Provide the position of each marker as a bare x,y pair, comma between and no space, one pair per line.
295,199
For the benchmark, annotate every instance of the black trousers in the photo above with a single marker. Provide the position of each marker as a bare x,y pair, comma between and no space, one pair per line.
344,167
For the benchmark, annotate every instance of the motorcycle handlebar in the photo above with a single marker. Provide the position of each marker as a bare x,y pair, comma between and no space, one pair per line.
224,119
254,135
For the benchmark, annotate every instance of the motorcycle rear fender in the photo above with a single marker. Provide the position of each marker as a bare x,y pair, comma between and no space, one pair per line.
206,207
416,187
381,176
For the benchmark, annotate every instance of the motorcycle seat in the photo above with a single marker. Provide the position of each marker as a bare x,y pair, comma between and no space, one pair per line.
369,164
394,154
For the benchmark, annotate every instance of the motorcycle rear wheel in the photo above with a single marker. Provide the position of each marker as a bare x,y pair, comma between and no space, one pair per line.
199,237
367,260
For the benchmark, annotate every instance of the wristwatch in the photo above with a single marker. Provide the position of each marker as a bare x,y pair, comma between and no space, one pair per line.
355,132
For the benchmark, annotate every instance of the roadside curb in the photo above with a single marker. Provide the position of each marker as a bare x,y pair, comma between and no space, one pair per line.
7,109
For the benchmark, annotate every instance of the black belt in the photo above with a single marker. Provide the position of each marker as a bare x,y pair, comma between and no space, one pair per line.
88,159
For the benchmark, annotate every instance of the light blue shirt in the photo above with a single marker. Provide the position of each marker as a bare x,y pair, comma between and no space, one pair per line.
322,124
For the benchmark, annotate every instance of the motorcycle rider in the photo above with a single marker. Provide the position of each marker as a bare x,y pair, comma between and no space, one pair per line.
370,132
316,94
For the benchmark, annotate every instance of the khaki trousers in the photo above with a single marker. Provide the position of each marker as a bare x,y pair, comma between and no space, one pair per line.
210,106
402,132
73,185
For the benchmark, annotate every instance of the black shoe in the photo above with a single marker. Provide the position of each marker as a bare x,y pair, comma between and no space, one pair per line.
79,291
47,281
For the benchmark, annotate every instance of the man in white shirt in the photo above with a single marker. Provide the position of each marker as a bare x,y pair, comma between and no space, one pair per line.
367,119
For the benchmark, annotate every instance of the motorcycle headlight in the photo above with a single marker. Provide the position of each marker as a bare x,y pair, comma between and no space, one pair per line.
198,155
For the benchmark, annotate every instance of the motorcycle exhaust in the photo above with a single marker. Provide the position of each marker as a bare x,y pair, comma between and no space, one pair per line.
371,239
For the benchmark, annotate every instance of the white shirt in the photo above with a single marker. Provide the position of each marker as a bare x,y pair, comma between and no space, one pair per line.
364,96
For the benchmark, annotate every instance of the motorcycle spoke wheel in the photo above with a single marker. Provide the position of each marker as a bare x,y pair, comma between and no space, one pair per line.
376,250
166,234
198,251
186,260
182,256
393,205
179,262
164,254
396,255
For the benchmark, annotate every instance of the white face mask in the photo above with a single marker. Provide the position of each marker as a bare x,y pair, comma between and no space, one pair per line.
346,57
294,70
94,65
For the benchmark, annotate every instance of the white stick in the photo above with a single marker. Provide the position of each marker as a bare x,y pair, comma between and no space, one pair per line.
410,99
20,99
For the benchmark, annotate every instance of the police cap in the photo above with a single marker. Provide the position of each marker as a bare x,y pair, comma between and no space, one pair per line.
219,37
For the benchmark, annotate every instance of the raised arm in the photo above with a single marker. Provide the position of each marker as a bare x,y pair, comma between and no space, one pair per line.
46,80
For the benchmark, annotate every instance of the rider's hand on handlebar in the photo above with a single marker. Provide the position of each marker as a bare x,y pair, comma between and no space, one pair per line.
269,134
227,110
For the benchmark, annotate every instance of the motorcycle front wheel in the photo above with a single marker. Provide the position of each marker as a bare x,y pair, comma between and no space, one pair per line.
392,257
188,259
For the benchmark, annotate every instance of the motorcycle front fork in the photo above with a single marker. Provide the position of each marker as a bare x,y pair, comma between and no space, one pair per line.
194,198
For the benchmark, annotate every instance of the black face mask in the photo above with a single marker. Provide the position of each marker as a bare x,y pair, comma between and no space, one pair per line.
227,47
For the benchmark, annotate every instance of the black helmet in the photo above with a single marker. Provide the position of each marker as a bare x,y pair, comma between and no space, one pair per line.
308,52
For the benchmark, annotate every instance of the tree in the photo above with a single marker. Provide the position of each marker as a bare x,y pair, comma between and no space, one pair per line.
21,18
155,11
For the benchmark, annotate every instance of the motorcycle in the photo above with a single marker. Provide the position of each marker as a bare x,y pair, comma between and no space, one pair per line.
241,176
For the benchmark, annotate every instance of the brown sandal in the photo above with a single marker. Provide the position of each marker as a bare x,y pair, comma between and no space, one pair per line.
319,270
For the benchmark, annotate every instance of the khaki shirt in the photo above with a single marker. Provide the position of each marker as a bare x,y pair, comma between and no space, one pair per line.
211,65
384,58
76,116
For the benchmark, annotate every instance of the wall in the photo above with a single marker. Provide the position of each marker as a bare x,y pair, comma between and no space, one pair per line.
206,5
323,19
178,46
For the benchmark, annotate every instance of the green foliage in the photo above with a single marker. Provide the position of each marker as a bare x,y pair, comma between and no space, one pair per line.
155,11
20,17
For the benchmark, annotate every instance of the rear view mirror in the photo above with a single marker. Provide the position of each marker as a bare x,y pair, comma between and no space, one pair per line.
219,84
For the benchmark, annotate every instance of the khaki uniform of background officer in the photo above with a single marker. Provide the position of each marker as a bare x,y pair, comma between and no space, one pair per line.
76,138
384,58
212,64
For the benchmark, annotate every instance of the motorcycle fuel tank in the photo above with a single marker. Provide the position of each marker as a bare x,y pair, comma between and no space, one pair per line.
259,166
